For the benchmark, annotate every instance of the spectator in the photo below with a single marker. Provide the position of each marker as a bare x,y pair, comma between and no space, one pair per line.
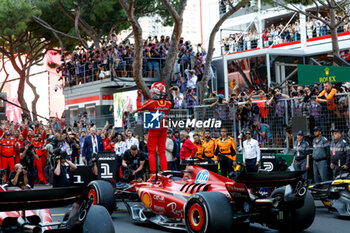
169,150
191,100
176,151
178,97
251,153
27,155
62,172
18,177
188,149
119,148
92,144
340,154
130,140
301,151
320,156
327,96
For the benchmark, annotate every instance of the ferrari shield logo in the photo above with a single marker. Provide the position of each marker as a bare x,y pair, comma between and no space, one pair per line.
202,177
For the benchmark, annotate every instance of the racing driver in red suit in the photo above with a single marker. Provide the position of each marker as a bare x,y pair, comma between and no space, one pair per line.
157,137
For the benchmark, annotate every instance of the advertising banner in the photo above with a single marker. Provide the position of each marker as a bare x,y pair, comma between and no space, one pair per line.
311,74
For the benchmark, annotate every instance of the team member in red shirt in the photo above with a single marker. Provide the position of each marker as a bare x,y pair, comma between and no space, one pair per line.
188,149
19,144
39,164
8,152
157,137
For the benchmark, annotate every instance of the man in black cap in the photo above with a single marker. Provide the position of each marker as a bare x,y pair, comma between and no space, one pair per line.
301,151
340,154
320,154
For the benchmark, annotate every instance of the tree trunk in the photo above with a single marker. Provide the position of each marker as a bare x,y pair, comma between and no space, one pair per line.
204,82
334,33
138,46
170,60
36,95
20,94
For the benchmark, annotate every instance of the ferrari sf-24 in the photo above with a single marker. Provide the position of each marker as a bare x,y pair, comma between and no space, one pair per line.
198,200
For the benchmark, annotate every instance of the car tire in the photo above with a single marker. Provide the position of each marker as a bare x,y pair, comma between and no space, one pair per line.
208,212
98,220
301,218
102,193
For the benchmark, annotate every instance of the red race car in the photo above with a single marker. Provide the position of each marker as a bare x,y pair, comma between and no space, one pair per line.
198,200
27,211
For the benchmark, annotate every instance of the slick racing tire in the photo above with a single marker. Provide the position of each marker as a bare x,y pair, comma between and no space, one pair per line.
208,212
98,220
102,193
301,218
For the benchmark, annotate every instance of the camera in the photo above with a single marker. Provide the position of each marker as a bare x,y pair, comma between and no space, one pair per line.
95,156
294,93
31,147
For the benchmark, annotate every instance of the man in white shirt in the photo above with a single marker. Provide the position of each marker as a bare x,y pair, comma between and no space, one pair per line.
130,140
192,79
251,153
119,148
169,150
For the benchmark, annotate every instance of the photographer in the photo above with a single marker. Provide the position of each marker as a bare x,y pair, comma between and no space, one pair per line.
191,100
177,97
133,163
61,174
18,177
27,155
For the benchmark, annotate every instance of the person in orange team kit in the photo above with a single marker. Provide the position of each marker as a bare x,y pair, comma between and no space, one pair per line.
8,152
209,146
327,96
39,164
157,137
198,143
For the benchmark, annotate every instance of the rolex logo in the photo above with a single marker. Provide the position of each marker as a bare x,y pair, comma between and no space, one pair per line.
326,70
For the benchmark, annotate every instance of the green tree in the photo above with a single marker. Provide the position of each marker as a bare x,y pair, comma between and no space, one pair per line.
24,42
96,19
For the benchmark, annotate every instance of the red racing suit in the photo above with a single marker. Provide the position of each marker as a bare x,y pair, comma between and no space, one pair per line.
157,137
8,153
40,164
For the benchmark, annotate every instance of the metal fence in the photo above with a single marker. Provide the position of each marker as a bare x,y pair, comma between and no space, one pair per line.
276,121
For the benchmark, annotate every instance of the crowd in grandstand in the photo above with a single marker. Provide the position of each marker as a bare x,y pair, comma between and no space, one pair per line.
116,59
277,34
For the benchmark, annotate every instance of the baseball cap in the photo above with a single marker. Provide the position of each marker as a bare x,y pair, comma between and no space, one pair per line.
336,131
300,132
169,131
317,128
221,96
133,147
35,135
7,134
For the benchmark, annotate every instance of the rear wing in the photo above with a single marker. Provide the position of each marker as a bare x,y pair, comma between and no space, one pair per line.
40,199
269,179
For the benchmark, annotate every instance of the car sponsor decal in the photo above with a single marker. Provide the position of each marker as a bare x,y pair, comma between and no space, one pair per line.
175,211
146,200
202,177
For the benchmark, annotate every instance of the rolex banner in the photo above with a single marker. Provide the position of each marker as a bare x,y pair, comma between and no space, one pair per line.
311,74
